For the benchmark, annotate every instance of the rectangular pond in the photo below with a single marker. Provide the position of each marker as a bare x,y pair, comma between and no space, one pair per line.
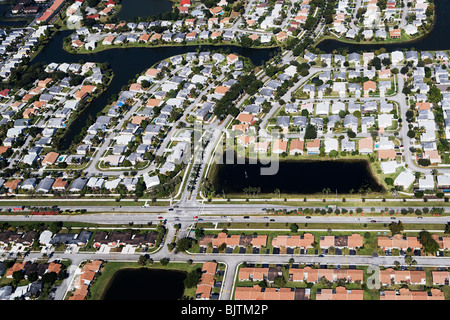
145,284
297,177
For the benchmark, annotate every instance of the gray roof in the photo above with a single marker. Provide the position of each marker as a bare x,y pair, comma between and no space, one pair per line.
283,121
45,184
78,184
300,121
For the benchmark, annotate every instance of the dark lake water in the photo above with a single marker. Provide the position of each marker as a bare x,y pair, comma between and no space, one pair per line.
437,39
145,284
126,63
297,177
143,8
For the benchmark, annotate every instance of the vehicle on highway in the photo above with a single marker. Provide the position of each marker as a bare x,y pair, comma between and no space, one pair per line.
195,217
308,217
320,255
266,218
263,209
373,221
160,217
231,219
200,219
272,220
419,217
393,218
170,209
223,217
357,219
246,217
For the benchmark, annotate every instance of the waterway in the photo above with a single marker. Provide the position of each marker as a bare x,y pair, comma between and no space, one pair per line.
437,39
126,63
145,284
143,8
296,177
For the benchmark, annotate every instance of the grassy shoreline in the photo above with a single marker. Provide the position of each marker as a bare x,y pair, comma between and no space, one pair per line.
99,287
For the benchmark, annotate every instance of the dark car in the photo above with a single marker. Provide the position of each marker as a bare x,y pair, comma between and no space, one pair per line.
272,219
246,217
308,217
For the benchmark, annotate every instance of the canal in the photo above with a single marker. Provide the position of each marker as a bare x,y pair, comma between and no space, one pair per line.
126,63
297,177
145,284
437,39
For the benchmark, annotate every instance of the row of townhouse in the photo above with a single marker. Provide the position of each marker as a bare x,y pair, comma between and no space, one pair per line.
258,293
83,279
216,241
118,238
207,282
306,274
402,242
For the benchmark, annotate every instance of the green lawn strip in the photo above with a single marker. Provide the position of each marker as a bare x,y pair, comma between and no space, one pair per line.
75,203
101,283
356,226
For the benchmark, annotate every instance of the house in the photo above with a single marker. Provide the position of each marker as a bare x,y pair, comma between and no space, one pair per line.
78,184
245,140
50,158
313,147
45,185
331,144
369,86
283,122
262,147
426,183
296,147
340,293
279,146
365,146
246,118
405,179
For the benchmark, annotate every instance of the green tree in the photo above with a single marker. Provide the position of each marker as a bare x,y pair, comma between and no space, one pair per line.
184,244
193,278
396,227
429,245
279,281
49,278
142,261
17,276
310,132
293,227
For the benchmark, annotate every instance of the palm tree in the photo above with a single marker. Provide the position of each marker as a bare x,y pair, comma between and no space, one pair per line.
277,193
